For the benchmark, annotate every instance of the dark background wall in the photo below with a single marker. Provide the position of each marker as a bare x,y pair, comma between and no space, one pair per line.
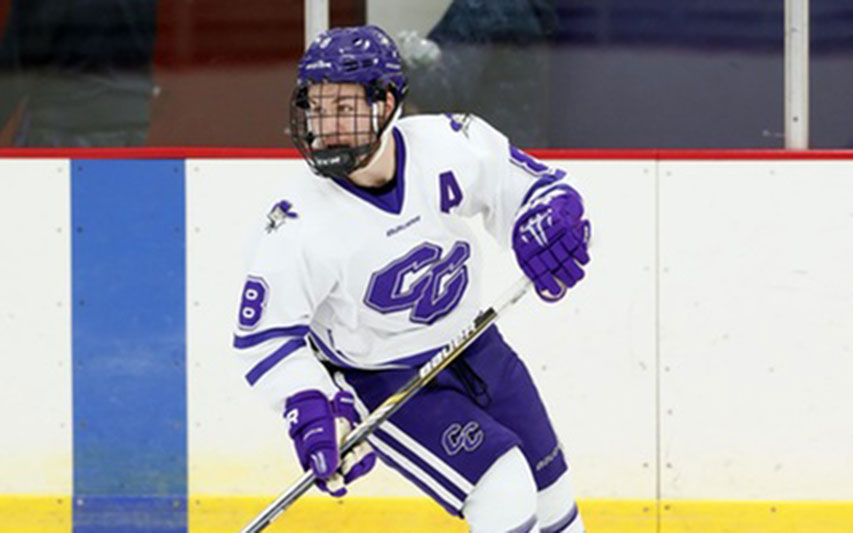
561,73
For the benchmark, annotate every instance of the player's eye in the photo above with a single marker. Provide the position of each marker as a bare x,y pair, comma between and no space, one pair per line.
346,108
315,105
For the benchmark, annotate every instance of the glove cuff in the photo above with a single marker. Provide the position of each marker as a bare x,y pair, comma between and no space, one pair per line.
343,405
304,408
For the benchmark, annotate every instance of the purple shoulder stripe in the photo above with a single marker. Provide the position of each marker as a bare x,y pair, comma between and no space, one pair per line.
247,341
273,359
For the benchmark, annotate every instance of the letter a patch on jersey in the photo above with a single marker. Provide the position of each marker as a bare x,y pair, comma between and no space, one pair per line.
451,192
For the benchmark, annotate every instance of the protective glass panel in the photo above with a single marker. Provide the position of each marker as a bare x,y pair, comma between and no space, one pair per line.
80,73
831,71
591,73
550,73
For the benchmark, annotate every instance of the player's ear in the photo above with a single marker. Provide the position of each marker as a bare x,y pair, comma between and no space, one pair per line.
390,102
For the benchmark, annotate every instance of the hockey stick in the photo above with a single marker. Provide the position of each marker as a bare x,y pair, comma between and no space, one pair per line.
425,374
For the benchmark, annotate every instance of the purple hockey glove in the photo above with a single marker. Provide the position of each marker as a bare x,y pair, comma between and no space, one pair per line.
550,241
317,427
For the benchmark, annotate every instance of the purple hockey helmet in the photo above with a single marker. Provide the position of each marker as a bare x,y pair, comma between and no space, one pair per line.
361,55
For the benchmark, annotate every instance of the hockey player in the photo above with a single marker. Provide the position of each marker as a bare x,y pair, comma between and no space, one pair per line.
366,269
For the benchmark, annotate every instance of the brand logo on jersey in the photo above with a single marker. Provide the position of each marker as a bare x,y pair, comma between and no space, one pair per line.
397,229
458,437
424,282
279,214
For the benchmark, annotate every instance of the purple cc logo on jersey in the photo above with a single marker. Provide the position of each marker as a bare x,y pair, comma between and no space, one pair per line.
423,282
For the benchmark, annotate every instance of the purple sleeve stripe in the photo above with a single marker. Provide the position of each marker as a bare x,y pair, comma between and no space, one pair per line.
254,339
273,359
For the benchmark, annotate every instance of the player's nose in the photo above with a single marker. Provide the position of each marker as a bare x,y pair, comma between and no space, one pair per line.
332,133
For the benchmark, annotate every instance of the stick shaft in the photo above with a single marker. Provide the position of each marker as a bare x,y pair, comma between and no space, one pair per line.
425,374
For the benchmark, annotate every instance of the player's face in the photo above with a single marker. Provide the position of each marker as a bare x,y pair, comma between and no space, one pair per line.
339,115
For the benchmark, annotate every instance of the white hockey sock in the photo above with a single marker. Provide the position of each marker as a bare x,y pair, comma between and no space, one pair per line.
504,500
557,509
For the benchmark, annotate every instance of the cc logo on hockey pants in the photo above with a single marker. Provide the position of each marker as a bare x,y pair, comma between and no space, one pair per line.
458,437
423,282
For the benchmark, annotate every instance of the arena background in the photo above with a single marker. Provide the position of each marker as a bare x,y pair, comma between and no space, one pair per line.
699,378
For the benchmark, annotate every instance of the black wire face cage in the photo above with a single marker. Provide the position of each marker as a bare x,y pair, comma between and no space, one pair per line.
335,127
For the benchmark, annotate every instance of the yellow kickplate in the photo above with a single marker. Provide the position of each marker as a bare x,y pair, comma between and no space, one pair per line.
619,516
35,514
756,517
212,514
222,514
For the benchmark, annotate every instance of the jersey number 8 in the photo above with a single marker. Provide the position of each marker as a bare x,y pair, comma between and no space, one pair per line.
252,302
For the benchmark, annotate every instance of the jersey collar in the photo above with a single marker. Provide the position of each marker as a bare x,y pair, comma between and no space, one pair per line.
391,201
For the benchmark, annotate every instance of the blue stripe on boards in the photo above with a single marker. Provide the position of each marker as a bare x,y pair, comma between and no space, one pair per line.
129,346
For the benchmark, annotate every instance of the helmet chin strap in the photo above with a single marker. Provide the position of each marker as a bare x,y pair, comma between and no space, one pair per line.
383,143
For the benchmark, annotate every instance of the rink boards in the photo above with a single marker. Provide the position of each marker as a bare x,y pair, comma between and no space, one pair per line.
699,378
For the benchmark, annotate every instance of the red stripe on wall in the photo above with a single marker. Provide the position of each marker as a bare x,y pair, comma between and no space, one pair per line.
689,154
176,152
291,153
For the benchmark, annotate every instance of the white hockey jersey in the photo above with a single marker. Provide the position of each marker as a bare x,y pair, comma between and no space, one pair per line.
379,282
